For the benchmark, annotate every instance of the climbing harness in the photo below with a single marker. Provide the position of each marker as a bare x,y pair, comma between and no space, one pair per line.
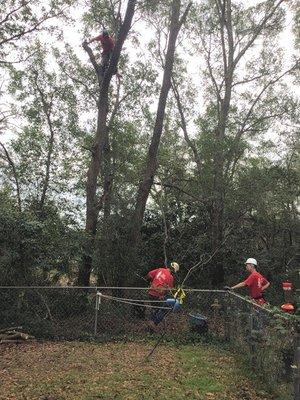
179,294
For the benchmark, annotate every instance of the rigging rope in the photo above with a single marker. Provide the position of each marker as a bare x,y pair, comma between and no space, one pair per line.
161,196
132,302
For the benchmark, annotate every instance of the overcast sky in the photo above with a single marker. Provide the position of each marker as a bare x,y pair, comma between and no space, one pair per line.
73,35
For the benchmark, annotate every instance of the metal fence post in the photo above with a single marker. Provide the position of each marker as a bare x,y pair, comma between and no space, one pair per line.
97,303
296,366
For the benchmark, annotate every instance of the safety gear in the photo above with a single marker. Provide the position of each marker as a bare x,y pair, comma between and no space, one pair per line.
179,294
288,307
227,288
251,261
175,266
105,32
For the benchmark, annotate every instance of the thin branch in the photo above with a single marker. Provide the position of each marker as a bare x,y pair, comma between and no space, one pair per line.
248,80
201,263
76,80
171,186
184,15
258,30
221,13
23,4
210,70
119,101
34,28
258,97
184,126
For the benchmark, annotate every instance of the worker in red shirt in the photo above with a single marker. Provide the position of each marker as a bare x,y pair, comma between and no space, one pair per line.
256,282
108,44
162,281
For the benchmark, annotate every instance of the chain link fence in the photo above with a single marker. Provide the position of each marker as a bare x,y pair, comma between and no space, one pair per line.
268,338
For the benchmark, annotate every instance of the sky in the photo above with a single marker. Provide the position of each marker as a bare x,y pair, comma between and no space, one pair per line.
73,36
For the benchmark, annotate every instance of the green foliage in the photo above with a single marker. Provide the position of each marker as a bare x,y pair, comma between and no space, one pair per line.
54,96
34,248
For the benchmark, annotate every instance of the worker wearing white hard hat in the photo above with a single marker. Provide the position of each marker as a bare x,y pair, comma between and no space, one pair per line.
256,282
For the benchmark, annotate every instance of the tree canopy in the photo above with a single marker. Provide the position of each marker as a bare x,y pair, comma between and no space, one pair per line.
185,148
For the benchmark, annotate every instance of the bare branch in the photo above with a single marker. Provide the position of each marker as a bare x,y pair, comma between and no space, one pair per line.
169,185
210,70
184,126
30,30
184,15
257,31
243,128
248,80
92,58
80,82
258,97
23,4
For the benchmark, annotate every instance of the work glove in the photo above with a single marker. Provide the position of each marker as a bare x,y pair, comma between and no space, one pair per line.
227,288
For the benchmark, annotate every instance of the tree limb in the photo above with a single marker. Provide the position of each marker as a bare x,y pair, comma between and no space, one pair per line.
184,126
258,30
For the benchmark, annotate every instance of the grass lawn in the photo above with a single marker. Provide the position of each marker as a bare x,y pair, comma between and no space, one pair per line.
115,371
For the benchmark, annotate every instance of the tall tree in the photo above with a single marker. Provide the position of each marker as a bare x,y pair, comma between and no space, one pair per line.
227,35
176,23
101,147
42,150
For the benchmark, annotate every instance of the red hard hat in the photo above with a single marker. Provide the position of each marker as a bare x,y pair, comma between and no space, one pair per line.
288,307
287,285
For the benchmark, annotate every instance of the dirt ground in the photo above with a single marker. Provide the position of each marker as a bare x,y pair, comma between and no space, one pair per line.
90,371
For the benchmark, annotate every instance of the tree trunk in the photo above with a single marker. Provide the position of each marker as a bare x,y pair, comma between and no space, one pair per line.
100,150
152,163
217,270
15,175
217,215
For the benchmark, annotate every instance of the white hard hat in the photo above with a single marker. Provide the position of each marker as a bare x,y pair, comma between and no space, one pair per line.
251,261
175,266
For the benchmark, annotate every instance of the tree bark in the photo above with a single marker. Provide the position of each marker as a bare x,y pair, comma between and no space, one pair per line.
151,162
229,44
15,175
47,108
217,214
101,149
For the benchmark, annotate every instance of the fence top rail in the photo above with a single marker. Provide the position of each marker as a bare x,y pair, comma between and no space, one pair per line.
107,288
189,290
74,287
276,313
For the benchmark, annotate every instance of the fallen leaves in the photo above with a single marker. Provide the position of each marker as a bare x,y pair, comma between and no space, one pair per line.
86,371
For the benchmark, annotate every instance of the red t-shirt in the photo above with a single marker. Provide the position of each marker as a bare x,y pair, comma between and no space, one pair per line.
107,43
255,282
161,281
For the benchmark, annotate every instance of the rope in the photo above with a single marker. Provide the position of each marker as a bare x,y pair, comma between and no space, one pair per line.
258,306
133,303
161,195
123,298
201,263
